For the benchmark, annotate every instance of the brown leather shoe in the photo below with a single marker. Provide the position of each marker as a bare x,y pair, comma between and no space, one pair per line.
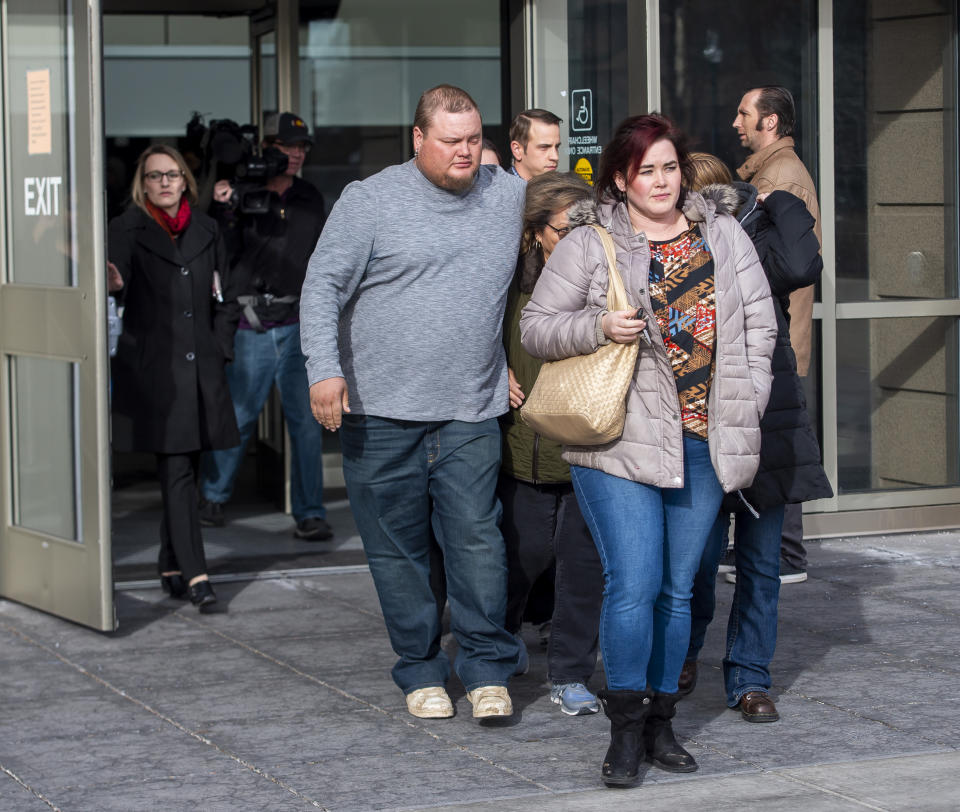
688,678
757,706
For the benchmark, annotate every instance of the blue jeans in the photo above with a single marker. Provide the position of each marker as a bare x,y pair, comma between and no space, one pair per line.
260,360
752,627
404,477
650,542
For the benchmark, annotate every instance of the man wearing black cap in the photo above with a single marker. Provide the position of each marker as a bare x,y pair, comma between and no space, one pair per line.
269,254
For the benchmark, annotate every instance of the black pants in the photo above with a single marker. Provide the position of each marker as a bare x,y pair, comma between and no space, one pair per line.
791,542
181,545
543,523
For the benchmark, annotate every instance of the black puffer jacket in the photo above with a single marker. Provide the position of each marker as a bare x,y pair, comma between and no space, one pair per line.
782,232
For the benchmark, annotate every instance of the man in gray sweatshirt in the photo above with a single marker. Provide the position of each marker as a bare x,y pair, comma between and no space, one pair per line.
401,318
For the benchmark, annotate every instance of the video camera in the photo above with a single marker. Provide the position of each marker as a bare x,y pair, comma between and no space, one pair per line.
239,146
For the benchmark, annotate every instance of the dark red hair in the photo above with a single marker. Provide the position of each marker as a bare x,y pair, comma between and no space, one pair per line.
624,153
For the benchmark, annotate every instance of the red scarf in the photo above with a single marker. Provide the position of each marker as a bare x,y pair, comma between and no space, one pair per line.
174,226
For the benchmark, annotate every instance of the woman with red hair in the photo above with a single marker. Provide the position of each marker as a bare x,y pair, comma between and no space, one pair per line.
701,310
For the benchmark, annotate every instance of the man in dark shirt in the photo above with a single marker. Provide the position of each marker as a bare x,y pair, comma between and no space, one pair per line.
270,251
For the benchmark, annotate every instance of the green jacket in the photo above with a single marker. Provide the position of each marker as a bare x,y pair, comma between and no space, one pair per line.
526,455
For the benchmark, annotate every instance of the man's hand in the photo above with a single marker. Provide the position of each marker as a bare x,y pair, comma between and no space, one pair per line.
516,392
222,191
621,326
328,401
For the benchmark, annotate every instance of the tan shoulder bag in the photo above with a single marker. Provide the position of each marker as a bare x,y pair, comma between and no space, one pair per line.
582,400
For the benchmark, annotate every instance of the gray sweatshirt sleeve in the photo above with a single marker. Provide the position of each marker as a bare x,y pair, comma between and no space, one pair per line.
333,274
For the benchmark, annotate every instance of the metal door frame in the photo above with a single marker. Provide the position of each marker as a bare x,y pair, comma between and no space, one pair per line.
72,579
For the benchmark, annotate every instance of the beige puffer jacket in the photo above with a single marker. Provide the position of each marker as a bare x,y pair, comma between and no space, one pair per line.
562,319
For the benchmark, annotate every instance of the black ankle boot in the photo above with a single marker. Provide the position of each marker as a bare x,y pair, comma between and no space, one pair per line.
202,595
662,748
174,585
627,711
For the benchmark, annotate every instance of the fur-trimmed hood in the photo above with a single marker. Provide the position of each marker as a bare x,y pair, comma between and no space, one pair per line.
737,199
724,197
583,213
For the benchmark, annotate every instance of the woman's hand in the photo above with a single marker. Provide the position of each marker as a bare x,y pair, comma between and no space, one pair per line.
516,393
621,326
114,279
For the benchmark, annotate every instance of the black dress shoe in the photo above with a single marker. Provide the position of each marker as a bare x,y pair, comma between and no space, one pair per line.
174,586
688,678
211,514
201,594
313,528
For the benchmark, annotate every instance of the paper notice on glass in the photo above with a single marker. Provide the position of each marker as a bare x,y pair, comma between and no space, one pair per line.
39,121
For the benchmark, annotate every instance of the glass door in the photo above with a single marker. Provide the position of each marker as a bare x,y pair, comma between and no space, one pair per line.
893,258
579,70
54,385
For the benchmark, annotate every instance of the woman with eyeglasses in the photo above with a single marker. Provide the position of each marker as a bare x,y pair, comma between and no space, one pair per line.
692,429
542,523
170,391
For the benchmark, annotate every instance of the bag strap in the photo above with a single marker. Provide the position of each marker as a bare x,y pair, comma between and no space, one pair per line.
616,292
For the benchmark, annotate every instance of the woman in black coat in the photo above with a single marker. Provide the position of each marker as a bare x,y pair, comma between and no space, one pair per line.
790,470
170,391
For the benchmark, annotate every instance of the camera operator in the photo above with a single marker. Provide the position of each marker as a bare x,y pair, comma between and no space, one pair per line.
269,253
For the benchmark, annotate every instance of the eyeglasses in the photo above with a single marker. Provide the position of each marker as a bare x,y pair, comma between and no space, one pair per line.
561,232
155,177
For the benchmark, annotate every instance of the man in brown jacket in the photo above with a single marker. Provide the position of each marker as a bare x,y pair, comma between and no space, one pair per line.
765,121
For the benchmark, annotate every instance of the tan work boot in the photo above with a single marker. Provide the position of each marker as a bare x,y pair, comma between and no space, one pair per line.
430,703
490,700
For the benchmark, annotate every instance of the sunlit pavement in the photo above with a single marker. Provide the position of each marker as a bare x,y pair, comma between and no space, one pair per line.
282,699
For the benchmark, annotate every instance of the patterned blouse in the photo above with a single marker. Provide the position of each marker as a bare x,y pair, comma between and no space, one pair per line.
683,295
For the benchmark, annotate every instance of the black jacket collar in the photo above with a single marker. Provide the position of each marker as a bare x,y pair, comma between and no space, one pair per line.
148,233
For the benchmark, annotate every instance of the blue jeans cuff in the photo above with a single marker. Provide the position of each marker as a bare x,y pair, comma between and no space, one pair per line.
743,691
484,683
314,515
413,688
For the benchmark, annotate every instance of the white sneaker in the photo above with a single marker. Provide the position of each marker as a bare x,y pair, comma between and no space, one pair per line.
728,563
788,574
490,700
574,698
430,703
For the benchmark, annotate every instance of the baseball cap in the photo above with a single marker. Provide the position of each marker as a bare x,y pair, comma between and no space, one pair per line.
286,127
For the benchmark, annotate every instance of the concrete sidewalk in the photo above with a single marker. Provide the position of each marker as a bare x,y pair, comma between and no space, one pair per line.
283,701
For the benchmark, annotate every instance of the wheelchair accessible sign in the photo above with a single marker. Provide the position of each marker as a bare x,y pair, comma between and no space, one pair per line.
581,110
583,148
